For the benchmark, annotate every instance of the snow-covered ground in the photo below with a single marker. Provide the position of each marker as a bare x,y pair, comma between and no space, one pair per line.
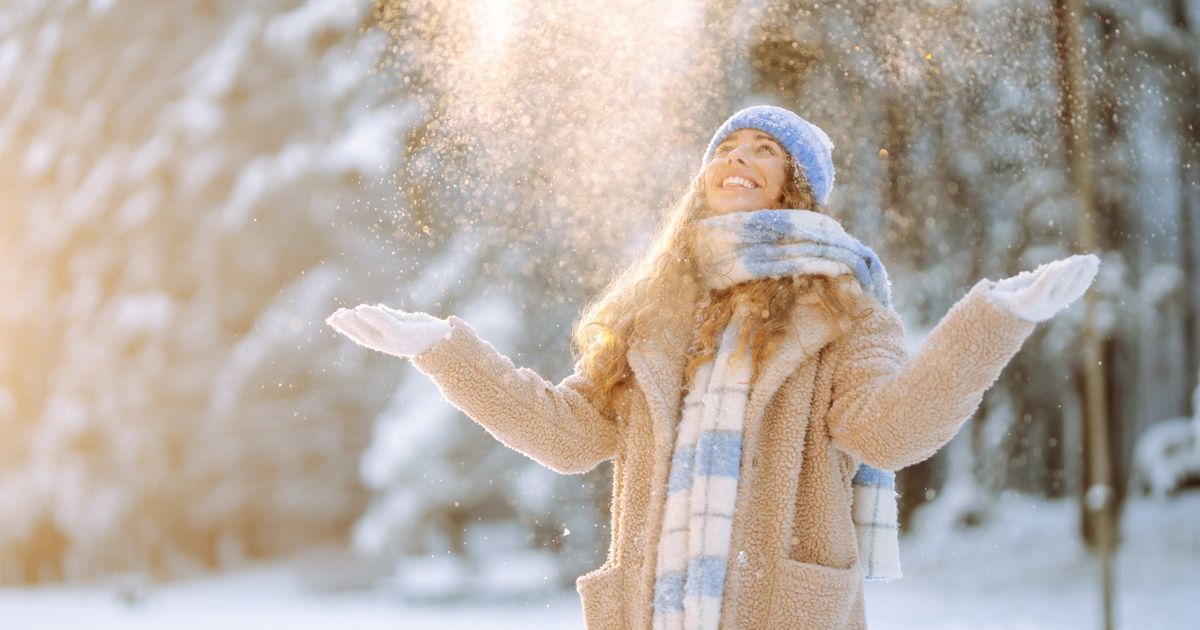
1029,569
1024,569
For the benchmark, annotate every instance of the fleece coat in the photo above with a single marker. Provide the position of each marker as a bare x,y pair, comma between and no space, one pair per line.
821,405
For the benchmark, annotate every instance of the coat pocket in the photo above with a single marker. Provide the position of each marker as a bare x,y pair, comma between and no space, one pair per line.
600,593
808,595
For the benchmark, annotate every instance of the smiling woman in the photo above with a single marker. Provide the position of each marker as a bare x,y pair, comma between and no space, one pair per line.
747,172
748,492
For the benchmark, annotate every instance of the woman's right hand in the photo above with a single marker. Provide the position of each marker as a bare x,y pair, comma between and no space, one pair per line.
1037,295
398,333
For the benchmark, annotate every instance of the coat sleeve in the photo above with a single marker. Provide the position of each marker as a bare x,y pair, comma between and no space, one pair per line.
892,411
555,425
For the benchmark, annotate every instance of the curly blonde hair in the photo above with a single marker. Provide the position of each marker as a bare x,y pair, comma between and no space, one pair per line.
661,293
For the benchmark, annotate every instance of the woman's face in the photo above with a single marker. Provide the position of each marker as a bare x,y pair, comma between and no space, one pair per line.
747,172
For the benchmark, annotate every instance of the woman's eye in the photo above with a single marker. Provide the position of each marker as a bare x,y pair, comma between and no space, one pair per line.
768,147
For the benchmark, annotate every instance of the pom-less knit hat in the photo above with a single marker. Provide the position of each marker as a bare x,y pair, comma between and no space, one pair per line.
809,146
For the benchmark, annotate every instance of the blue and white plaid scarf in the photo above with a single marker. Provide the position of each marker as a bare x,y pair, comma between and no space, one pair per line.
693,548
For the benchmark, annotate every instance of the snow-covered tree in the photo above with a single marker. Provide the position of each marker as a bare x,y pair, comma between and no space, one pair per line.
182,201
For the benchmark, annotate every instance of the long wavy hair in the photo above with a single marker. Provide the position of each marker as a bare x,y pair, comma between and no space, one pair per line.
661,294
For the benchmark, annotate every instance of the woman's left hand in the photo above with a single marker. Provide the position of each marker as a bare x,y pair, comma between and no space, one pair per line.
1039,294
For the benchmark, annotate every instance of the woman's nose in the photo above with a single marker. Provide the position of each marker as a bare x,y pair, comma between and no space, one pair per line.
735,154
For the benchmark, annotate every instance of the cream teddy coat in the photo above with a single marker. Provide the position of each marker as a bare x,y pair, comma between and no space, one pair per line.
821,405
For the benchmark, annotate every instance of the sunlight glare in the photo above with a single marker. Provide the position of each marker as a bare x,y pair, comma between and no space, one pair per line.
494,22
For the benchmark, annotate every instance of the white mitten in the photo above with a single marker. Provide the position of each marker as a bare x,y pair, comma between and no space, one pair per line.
388,330
1037,295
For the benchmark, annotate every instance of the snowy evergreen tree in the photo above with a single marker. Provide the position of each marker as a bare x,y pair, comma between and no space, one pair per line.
180,207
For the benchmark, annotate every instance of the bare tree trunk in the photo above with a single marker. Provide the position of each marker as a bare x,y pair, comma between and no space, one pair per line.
1098,487
897,195
1189,180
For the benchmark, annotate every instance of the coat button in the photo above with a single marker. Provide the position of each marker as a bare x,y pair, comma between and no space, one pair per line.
742,558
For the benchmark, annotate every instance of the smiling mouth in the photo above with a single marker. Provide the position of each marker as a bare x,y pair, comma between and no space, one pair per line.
737,183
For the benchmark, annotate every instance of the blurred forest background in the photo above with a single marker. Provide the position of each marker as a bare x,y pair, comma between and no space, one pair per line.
188,188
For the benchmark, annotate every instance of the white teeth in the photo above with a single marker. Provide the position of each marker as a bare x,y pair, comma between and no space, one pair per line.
737,181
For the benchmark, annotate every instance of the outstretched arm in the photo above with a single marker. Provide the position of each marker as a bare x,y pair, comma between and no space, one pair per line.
554,424
892,411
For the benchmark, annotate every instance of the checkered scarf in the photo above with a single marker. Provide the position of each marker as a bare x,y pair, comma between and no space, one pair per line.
693,548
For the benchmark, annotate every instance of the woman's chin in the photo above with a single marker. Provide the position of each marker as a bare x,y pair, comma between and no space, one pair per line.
747,203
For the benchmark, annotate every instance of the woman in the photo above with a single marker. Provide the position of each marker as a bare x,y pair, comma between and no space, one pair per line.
748,380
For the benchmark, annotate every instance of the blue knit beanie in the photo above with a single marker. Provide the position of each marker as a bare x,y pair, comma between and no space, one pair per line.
809,146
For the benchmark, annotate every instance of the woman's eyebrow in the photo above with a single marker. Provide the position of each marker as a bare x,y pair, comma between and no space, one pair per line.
766,137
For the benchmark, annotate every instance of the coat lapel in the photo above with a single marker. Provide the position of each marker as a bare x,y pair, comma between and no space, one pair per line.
811,331
659,371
